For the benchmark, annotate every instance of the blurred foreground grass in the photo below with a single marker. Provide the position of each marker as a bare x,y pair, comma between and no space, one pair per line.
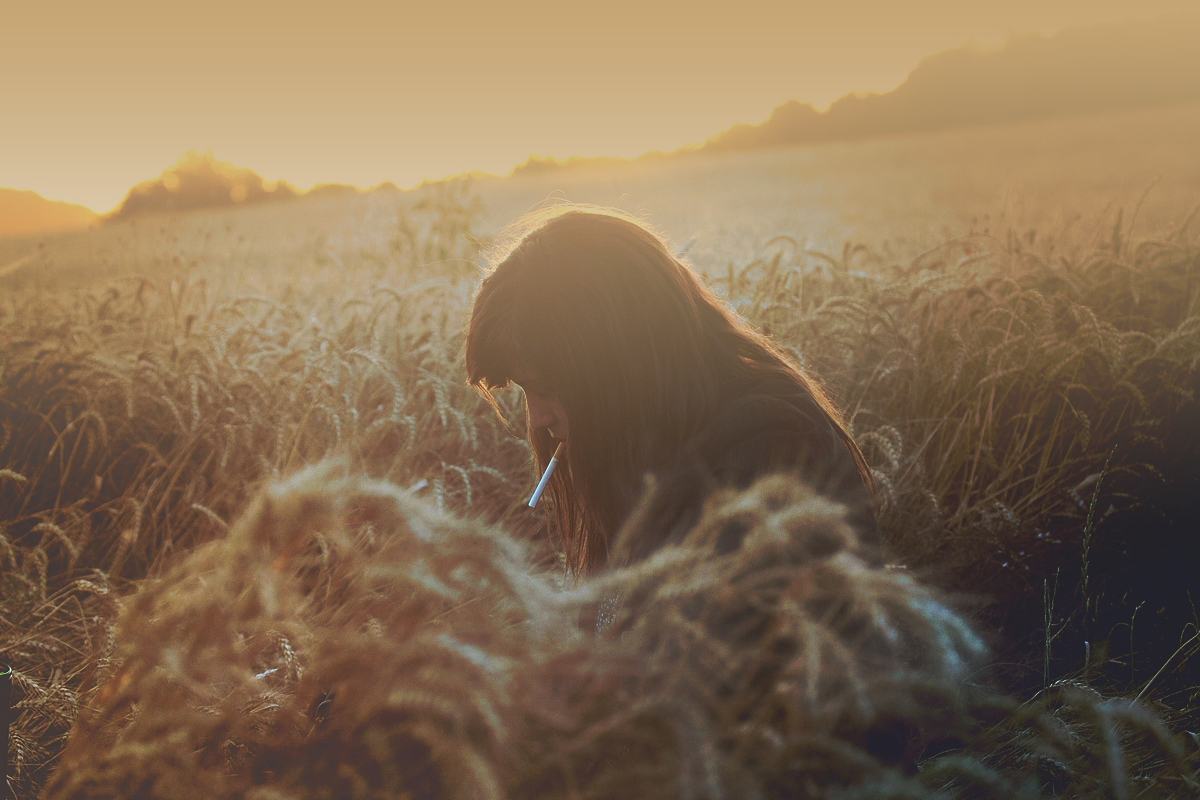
1030,409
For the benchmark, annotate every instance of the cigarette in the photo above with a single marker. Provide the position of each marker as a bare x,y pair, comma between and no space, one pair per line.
541,487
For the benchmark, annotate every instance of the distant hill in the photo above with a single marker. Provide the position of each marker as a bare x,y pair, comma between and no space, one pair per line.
1084,69
1079,70
538,165
25,213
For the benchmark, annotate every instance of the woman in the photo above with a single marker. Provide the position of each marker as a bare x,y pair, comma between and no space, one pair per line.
628,358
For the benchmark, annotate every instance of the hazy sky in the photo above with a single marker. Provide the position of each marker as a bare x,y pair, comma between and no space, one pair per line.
97,96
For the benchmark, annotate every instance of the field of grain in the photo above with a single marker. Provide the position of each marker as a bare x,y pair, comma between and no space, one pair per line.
258,539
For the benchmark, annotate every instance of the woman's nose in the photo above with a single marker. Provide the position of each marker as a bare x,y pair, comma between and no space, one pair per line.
541,412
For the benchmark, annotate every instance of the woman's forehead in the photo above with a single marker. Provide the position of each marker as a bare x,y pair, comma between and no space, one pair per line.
523,375
530,380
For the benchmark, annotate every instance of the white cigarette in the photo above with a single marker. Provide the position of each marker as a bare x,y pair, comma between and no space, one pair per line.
541,487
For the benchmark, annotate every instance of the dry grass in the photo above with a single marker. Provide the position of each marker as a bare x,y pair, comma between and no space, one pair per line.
138,417
990,381
348,640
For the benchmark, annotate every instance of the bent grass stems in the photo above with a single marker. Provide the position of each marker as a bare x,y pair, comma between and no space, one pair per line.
983,396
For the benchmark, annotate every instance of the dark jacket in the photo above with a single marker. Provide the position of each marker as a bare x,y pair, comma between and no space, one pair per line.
756,434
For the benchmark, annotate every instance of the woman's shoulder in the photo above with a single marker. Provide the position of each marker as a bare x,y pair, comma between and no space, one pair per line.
758,433
753,434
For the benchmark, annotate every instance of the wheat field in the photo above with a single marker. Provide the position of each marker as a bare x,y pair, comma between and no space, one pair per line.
259,539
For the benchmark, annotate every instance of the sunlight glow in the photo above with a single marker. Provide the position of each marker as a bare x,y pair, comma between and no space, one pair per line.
105,96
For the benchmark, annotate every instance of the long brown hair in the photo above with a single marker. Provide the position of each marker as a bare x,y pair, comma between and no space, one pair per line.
634,346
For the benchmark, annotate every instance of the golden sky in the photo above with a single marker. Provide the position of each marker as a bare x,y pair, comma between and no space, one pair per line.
97,96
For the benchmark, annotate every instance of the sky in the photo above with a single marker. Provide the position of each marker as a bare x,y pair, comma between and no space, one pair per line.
95,97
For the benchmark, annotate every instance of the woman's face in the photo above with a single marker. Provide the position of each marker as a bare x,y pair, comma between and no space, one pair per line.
545,410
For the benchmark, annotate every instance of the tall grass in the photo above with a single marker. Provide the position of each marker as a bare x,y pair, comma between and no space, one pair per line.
138,418
990,384
348,640
989,381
